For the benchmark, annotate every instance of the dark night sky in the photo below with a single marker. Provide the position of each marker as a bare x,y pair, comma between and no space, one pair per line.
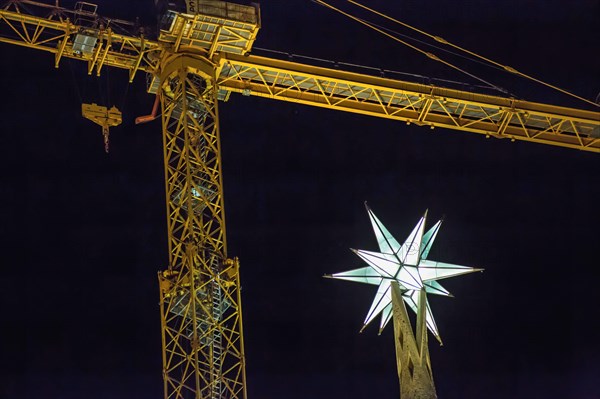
83,233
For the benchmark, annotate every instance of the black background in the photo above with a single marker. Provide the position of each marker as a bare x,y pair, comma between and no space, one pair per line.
83,233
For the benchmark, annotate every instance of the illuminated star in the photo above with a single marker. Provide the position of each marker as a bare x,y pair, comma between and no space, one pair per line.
408,265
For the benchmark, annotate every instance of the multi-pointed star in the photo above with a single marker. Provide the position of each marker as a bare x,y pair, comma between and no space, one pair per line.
408,265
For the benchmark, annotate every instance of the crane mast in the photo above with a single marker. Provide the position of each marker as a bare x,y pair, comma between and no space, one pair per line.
199,59
201,315
200,302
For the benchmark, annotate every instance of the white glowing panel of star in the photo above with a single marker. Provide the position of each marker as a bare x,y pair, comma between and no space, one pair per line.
408,265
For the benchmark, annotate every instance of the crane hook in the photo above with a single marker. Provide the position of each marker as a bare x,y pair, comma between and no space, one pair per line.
105,135
102,116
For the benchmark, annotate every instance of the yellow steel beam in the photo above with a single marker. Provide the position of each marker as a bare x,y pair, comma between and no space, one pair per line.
425,105
57,36
421,104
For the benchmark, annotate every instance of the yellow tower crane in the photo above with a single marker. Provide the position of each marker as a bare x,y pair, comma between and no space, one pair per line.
199,58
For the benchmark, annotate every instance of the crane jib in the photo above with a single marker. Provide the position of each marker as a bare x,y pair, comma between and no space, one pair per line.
227,45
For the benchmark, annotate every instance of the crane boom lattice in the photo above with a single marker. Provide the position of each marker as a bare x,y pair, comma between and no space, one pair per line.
226,44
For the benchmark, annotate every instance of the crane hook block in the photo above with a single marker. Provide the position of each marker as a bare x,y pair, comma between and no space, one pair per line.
102,116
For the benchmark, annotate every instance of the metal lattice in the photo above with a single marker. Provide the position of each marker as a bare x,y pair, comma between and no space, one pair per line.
200,301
